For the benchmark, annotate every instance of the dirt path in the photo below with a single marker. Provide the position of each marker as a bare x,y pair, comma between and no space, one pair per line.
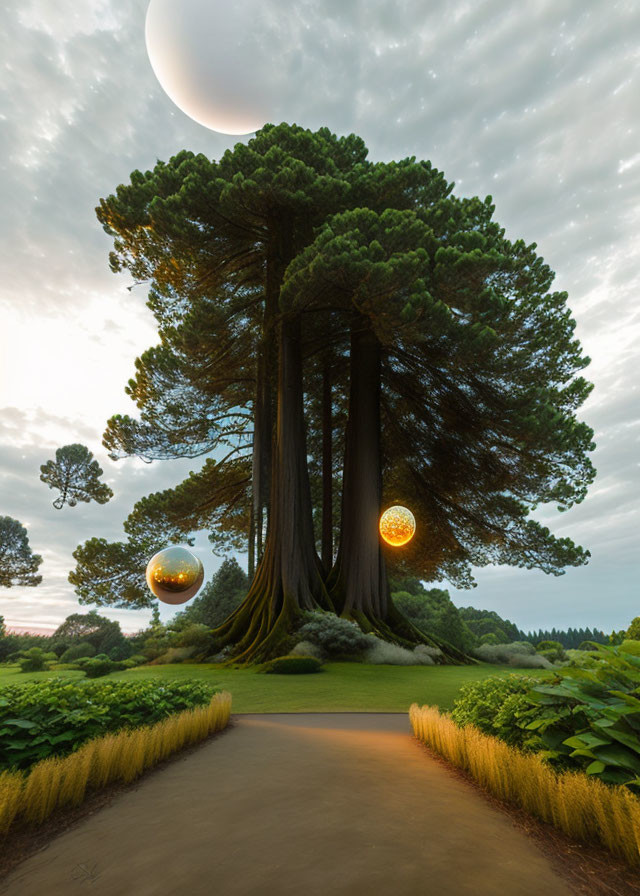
330,804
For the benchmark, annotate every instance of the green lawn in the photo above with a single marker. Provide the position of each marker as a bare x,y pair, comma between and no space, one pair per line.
346,687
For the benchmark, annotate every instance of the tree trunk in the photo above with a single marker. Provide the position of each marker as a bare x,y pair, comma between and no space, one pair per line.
289,576
358,584
327,465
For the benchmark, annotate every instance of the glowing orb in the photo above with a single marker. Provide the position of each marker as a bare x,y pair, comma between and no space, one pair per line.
174,575
215,60
397,525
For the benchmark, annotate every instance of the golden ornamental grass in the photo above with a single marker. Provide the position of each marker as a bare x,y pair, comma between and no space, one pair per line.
28,799
581,806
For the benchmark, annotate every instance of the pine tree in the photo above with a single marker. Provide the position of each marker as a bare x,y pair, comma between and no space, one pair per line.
76,475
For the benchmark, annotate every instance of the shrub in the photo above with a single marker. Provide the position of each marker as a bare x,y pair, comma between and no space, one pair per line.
495,705
306,648
588,645
551,650
96,667
174,655
197,636
36,660
384,653
55,716
76,651
333,634
292,665
631,646
589,717
510,654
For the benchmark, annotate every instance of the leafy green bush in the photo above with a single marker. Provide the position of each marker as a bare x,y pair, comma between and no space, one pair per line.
292,665
97,666
552,651
497,705
36,660
631,646
589,717
173,655
76,651
55,716
333,634
133,661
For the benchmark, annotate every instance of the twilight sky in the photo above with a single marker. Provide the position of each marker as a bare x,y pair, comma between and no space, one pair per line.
536,104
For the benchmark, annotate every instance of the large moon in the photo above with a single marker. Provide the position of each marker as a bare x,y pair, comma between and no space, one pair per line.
215,60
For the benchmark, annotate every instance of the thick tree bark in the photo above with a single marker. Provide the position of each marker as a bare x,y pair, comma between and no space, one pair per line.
359,580
327,465
289,577
358,584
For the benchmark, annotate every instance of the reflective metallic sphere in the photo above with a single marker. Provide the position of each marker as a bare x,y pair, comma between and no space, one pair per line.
397,525
174,575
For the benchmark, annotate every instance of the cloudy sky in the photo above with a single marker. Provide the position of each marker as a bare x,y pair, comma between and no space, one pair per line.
536,104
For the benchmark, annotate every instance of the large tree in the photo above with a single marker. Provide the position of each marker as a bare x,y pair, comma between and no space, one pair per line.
18,563
294,264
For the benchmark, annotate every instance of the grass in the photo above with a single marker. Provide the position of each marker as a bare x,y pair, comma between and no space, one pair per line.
581,806
340,687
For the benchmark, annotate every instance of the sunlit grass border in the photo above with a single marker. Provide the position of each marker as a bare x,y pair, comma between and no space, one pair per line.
27,799
581,806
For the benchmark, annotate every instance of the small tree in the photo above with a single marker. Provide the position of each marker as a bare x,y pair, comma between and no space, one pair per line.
633,632
18,564
102,633
219,598
77,476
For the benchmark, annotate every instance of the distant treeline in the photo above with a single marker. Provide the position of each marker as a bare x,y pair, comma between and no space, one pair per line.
572,638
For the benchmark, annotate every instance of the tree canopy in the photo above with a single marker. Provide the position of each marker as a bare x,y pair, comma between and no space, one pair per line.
18,563
333,326
76,475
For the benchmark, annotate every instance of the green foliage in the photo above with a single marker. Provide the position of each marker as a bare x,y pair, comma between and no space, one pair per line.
55,717
103,634
84,648
488,622
571,638
292,665
333,635
76,475
433,612
633,632
13,645
18,564
36,660
520,654
617,638
589,717
97,666
631,647
218,599
552,651
496,706
490,638
549,645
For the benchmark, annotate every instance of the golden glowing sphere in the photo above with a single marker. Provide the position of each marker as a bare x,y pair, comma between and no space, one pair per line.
174,575
397,525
